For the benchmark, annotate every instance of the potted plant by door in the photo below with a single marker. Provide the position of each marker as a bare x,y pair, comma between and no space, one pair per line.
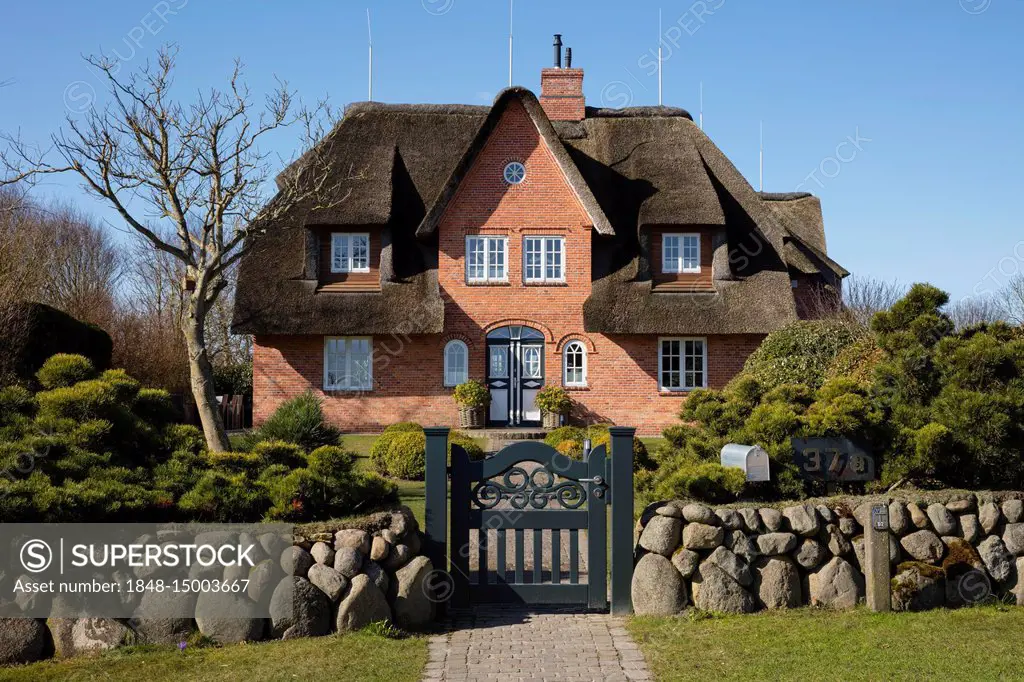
554,403
473,398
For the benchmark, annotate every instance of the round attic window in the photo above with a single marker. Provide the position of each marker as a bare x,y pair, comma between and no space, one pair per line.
515,173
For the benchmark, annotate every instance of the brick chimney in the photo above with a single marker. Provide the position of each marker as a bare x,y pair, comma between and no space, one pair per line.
561,90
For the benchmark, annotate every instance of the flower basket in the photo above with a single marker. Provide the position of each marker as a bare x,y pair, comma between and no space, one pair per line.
550,420
553,402
473,398
472,417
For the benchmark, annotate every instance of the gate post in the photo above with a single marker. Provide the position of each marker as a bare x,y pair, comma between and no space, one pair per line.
622,518
436,483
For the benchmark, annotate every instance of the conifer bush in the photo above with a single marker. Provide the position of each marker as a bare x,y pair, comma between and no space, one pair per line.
935,406
98,447
300,421
63,370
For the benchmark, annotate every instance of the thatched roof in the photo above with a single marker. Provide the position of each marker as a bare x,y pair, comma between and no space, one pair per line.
631,168
805,249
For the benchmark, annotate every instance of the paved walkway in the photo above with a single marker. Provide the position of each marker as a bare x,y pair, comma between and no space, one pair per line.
512,643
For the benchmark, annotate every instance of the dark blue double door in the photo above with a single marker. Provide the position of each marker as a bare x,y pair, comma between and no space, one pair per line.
515,374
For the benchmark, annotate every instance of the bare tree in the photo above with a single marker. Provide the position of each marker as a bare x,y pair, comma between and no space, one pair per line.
865,296
972,310
196,170
1012,300
83,266
147,332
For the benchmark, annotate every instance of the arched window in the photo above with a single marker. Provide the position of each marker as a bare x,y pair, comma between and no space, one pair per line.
456,363
574,364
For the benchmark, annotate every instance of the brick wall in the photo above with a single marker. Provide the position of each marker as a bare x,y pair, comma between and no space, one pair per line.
407,378
622,369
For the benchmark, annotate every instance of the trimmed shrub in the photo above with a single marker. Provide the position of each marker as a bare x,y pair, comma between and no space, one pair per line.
125,387
329,488
555,437
84,400
300,421
64,370
799,353
706,481
279,452
402,427
406,456
467,443
409,460
223,497
237,462
155,406
184,437
36,332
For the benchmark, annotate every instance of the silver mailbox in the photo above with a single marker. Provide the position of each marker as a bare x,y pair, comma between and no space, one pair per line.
751,458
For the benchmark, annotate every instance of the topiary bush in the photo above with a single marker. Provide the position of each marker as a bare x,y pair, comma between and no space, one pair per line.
407,459
279,452
799,353
64,370
300,421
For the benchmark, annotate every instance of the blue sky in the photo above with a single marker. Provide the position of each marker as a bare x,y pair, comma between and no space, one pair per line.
932,90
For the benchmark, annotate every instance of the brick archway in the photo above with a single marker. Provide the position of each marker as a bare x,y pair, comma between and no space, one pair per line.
549,336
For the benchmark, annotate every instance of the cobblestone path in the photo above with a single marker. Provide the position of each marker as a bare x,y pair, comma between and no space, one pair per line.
499,642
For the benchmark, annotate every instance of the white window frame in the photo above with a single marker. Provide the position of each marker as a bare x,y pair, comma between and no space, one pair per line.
543,279
508,167
451,345
348,373
346,266
682,388
679,265
565,364
487,240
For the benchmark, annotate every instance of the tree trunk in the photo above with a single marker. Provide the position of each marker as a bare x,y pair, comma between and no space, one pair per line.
201,378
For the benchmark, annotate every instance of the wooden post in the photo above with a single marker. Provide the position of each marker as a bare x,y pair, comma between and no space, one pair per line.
622,518
436,484
876,560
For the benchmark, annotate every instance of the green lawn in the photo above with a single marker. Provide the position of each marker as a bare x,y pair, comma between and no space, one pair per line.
811,644
356,657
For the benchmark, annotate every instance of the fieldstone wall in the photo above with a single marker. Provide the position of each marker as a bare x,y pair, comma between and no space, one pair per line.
946,549
331,580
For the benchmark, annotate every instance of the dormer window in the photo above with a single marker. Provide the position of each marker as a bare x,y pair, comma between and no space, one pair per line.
350,252
680,253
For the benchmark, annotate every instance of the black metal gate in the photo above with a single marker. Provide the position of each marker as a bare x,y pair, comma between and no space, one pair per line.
516,519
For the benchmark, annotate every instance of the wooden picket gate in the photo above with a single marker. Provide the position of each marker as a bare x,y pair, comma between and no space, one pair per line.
531,487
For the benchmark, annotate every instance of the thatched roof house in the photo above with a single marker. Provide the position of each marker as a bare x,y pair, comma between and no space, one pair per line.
630,193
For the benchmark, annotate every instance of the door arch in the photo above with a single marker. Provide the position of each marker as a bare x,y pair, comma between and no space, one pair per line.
515,373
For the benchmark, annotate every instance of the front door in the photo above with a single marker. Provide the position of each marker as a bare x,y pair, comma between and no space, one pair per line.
515,373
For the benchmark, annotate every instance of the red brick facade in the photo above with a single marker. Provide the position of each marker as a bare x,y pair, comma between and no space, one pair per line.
622,371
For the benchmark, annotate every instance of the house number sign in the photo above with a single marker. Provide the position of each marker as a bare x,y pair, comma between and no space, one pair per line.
832,459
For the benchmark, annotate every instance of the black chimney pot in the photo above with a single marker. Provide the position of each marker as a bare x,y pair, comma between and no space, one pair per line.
568,57
558,50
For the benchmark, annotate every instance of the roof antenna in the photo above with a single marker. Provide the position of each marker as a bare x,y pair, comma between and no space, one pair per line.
760,182
702,105
510,3
659,59
369,34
